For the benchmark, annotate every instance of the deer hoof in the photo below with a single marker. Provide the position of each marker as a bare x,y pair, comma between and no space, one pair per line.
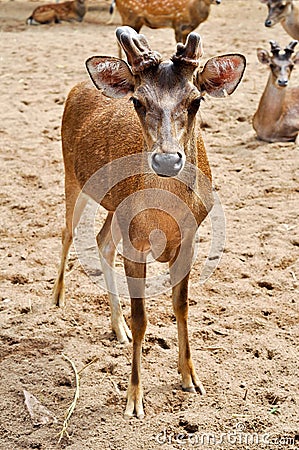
58,295
190,389
200,389
123,332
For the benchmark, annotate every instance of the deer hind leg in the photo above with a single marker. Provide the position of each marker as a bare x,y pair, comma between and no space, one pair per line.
190,381
71,195
136,282
107,251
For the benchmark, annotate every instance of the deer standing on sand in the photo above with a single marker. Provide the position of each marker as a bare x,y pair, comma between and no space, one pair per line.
146,107
56,12
286,12
277,116
181,15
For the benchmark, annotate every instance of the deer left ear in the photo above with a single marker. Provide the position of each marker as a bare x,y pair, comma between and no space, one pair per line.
111,75
221,75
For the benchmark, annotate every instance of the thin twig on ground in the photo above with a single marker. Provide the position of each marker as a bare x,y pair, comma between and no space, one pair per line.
74,402
72,406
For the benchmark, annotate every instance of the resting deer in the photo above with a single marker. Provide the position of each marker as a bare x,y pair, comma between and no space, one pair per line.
277,116
142,118
56,12
286,12
182,16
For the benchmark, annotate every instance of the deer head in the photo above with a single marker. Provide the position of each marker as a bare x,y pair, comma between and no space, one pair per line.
166,95
280,62
278,10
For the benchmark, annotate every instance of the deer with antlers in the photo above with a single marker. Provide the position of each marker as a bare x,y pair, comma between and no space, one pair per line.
277,116
286,12
72,10
181,15
139,126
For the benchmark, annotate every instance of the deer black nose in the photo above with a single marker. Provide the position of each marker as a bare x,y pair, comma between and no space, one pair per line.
167,164
282,83
268,23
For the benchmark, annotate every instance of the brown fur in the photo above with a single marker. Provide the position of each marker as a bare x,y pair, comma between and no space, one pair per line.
56,12
181,15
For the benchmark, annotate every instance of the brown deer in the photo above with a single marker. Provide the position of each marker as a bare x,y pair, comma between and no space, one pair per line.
277,116
286,12
56,12
181,15
140,123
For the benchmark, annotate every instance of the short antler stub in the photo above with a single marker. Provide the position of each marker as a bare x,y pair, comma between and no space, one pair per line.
140,56
290,48
190,53
275,48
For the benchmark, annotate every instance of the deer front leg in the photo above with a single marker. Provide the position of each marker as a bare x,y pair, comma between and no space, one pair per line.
190,381
59,287
107,251
135,273
75,205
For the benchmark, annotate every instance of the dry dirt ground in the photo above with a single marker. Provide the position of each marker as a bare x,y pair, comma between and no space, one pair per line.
243,319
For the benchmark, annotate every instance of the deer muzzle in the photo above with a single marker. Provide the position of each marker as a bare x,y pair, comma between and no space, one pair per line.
268,23
282,82
167,164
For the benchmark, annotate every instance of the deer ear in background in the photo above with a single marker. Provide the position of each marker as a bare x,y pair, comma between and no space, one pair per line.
263,56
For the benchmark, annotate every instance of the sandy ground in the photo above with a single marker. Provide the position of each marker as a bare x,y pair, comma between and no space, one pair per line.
243,320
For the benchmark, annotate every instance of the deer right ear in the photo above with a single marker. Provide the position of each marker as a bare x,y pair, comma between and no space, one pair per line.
263,56
111,75
221,75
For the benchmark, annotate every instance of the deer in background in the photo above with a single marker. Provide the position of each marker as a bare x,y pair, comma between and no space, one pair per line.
286,12
68,11
277,116
182,16
144,109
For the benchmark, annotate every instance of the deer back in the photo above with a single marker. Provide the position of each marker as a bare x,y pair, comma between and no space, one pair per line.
182,16
69,10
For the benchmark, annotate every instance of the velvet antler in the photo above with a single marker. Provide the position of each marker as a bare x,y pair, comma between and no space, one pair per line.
290,48
275,48
189,53
140,56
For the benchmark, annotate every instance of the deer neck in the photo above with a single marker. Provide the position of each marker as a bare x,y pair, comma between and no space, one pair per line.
291,22
272,102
